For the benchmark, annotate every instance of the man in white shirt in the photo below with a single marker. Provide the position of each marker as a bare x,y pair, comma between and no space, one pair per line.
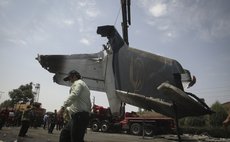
78,105
45,121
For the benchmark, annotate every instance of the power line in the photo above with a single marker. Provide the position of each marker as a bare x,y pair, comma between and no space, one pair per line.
118,13
214,89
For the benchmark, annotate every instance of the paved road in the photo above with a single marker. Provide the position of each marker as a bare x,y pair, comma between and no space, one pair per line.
40,135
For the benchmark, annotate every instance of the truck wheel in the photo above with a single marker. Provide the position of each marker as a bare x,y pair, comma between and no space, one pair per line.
104,127
95,126
135,129
148,132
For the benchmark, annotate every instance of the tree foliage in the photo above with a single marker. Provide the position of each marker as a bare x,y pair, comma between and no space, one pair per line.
23,94
219,116
7,103
215,119
199,121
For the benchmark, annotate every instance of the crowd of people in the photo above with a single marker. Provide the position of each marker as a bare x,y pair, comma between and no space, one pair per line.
9,117
50,120
27,118
76,108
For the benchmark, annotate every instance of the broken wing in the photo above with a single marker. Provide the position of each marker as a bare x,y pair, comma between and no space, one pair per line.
90,66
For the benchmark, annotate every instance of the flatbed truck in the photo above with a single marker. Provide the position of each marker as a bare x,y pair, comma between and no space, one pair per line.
102,120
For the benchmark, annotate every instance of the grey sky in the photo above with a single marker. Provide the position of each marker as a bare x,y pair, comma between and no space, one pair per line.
195,33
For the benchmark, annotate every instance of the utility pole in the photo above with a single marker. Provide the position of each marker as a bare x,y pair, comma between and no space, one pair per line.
36,91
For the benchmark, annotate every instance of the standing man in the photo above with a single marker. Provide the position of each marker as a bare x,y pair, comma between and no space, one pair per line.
4,114
78,106
60,119
27,116
45,121
53,120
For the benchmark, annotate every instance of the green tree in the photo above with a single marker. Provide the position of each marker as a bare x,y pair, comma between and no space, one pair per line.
23,94
219,116
194,121
7,103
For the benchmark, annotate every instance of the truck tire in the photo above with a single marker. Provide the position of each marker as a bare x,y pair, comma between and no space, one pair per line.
136,129
148,132
95,126
104,127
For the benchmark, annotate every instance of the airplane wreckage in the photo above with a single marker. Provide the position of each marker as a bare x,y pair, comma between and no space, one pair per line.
131,76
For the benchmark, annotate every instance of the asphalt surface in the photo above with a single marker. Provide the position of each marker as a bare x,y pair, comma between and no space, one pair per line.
9,134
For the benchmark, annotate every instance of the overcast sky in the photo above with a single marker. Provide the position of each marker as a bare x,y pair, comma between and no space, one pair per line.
194,32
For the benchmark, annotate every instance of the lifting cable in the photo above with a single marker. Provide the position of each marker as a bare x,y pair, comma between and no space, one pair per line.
118,13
